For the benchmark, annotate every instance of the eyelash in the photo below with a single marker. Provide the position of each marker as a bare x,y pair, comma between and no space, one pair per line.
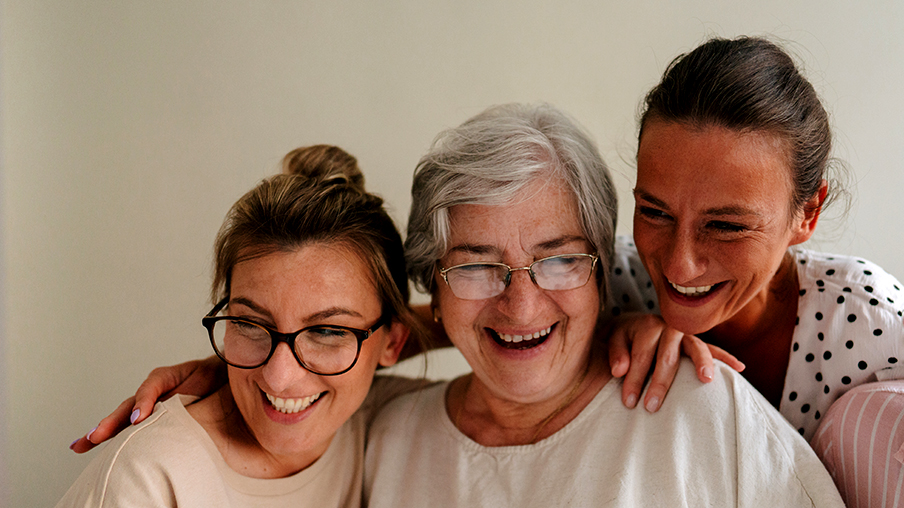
727,227
654,214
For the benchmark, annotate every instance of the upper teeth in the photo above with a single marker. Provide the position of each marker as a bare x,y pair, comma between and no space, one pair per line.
691,291
518,338
289,406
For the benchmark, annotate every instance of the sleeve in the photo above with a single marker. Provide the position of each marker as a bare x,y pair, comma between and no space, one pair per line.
159,463
120,477
861,442
770,452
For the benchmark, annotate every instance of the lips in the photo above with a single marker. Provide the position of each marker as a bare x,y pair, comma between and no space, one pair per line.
518,342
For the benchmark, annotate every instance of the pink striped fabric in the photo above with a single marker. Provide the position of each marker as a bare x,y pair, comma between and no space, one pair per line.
861,442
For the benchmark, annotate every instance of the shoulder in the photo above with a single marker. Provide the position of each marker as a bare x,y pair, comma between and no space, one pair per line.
143,461
759,438
852,281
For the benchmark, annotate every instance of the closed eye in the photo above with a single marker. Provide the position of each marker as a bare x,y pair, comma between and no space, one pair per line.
653,213
728,227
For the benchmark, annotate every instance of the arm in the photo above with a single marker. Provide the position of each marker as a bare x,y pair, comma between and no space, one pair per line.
196,377
636,340
860,443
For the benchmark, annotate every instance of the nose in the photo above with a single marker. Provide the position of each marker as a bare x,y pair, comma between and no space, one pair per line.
522,298
282,369
683,260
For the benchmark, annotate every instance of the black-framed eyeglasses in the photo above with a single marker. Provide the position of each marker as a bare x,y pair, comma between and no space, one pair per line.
327,350
478,281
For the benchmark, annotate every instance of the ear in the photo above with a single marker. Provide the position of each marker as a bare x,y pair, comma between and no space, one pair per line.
397,335
804,229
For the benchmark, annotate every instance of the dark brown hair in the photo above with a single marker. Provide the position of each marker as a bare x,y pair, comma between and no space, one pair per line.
748,84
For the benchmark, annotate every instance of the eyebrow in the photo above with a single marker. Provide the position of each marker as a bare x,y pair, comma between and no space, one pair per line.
491,249
317,316
720,211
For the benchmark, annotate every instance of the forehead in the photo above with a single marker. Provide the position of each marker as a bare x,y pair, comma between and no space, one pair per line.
315,275
544,211
712,161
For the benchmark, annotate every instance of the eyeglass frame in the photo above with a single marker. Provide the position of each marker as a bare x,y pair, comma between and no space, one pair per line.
277,337
508,277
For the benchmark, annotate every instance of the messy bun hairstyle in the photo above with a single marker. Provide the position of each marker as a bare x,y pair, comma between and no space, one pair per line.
320,197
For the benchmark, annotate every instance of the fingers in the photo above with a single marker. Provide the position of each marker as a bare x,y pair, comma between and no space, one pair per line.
107,428
619,353
643,351
699,353
158,383
667,355
726,357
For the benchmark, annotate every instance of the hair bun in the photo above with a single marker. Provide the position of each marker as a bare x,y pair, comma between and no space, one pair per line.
324,163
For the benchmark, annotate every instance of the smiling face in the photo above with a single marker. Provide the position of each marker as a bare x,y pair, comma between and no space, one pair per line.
713,220
292,413
553,329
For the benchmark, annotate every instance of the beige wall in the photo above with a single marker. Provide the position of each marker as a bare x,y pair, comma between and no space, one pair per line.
128,128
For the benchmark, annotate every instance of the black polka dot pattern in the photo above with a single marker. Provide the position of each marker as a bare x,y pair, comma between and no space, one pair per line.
630,287
846,330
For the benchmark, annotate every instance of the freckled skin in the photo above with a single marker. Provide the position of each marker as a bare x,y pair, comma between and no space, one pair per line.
317,284
713,207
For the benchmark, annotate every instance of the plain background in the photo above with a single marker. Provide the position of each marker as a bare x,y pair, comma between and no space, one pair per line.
129,128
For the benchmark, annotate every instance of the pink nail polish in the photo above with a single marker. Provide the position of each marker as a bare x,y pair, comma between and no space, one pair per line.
135,414
88,437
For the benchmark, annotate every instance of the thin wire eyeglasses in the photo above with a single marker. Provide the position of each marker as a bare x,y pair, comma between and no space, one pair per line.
326,350
478,281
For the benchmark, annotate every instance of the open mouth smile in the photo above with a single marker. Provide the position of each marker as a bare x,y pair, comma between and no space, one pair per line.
526,341
291,406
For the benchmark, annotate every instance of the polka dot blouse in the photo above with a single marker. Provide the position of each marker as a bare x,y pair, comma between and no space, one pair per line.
850,324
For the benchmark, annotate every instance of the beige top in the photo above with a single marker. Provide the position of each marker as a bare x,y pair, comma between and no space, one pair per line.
170,460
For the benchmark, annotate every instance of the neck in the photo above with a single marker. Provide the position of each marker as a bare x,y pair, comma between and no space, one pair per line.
493,421
221,418
767,313
760,335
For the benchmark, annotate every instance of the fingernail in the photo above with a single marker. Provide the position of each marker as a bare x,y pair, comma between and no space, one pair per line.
652,405
708,373
73,444
88,437
631,401
135,414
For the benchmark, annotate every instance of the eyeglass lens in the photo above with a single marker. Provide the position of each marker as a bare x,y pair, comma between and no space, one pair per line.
326,350
479,281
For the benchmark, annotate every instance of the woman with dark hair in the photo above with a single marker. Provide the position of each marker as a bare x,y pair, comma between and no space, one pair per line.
732,158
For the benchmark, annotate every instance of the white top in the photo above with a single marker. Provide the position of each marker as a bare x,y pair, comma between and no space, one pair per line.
850,325
718,444
170,460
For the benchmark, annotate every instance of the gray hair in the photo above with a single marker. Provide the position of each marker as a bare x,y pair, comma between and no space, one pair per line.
488,159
